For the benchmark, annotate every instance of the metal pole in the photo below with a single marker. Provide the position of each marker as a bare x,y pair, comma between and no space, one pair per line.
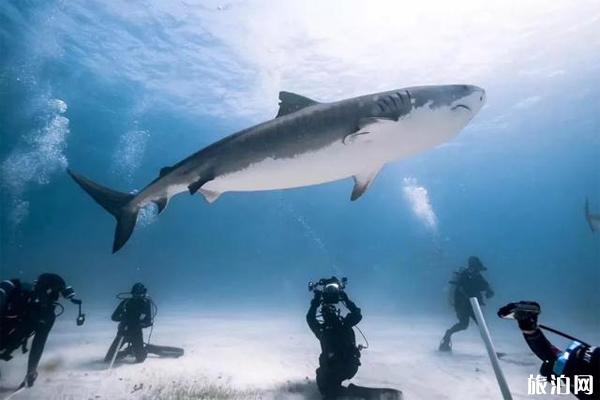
485,335
116,352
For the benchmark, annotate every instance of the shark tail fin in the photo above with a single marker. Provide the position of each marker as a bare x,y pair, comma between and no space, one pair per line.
116,203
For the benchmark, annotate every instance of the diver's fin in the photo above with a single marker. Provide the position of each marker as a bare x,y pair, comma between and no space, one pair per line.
161,203
164,171
116,203
362,182
164,351
195,186
291,102
364,131
372,393
210,195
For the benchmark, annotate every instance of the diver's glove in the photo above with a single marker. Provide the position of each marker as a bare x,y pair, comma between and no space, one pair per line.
489,294
344,297
525,312
29,379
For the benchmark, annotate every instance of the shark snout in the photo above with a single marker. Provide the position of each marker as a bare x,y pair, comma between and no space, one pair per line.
472,100
479,94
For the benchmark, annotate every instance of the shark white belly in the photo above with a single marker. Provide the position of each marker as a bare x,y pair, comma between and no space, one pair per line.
360,153
328,164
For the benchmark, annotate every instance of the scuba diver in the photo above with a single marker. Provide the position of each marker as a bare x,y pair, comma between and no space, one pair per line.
134,313
340,357
29,310
468,282
579,360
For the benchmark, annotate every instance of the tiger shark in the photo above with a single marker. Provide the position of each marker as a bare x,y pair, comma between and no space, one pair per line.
307,143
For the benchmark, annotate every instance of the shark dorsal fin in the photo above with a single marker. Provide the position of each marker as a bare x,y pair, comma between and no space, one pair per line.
291,102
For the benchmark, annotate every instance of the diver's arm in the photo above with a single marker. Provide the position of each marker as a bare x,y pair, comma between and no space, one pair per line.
37,348
6,287
535,338
540,345
311,315
460,282
487,288
355,316
117,315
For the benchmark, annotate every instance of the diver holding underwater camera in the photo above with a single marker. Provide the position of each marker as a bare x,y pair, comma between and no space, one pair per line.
579,359
340,357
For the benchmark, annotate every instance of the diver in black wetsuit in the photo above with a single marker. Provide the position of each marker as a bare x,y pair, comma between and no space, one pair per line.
579,359
468,283
133,314
29,310
340,357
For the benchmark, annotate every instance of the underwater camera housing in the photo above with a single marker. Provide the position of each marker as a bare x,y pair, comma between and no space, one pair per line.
519,310
330,289
69,293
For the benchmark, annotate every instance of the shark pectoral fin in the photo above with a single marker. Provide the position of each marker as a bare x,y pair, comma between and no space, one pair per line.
364,132
292,102
209,195
161,203
360,136
362,182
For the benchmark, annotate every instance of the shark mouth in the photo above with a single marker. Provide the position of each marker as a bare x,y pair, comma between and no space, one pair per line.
456,107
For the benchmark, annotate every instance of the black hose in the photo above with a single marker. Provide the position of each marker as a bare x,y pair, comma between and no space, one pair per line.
364,337
563,334
154,311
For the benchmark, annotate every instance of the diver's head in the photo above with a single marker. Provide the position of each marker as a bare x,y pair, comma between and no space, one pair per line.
48,287
330,314
138,290
475,264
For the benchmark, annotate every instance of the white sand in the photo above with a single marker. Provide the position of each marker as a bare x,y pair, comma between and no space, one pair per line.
242,356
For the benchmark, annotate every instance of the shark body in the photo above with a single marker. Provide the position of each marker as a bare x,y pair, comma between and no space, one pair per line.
307,143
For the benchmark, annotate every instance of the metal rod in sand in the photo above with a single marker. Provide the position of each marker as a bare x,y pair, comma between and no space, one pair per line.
485,335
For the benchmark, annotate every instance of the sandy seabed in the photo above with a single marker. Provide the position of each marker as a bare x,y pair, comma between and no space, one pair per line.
240,356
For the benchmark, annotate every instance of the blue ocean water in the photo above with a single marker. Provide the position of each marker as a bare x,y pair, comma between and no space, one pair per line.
118,90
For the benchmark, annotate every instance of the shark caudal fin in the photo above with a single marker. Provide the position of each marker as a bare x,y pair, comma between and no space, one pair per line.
116,203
